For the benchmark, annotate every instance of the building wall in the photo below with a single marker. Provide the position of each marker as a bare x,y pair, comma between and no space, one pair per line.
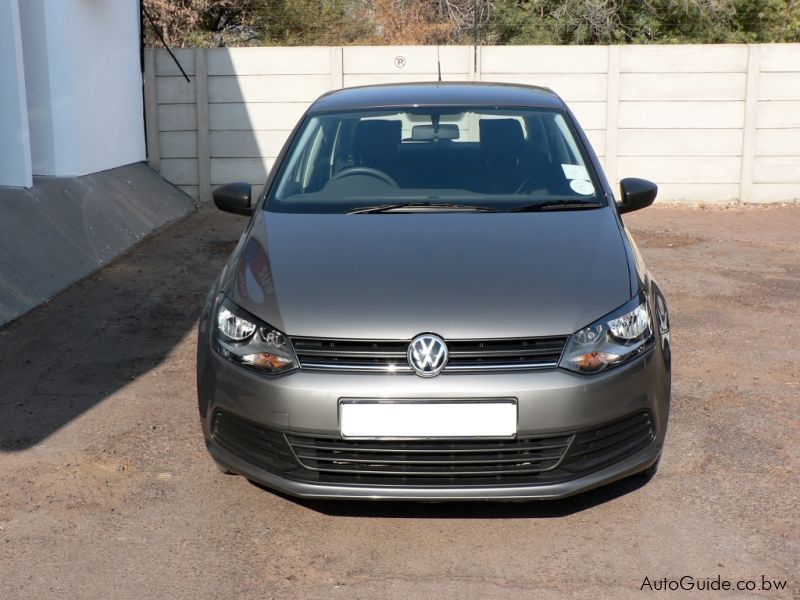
15,155
707,123
64,228
71,109
83,78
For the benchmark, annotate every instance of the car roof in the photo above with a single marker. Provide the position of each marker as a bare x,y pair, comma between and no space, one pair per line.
398,95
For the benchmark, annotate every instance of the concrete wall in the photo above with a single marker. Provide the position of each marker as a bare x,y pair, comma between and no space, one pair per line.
708,123
63,229
15,153
83,80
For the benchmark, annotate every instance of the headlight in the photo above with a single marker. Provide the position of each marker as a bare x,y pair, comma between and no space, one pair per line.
613,340
234,327
243,339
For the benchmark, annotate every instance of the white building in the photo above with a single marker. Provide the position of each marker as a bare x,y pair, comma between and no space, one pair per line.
71,99
74,192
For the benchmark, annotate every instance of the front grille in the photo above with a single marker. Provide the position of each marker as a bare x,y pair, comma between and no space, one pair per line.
526,460
505,354
465,355
422,459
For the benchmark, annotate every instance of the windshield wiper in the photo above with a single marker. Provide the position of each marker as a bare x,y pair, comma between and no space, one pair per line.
423,206
554,205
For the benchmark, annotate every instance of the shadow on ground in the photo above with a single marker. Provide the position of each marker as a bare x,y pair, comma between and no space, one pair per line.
65,357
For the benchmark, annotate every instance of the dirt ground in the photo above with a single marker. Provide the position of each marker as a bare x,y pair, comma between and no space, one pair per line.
106,490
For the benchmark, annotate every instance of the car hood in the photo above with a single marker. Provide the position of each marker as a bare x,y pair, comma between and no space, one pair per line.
459,275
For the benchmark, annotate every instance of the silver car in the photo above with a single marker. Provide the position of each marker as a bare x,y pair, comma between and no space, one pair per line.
435,298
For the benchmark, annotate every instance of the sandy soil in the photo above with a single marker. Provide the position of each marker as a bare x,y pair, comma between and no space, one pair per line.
106,489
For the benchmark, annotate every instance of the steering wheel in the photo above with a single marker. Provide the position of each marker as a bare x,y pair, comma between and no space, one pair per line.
369,171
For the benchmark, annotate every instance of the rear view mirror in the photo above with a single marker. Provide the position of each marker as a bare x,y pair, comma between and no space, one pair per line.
234,198
636,194
427,133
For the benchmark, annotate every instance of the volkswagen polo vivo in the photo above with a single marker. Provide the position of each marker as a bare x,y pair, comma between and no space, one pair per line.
435,298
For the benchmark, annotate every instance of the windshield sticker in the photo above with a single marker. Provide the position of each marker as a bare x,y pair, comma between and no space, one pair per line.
575,172
581,186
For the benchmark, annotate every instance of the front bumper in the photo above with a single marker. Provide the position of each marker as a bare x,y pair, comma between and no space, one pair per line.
550,403
302,489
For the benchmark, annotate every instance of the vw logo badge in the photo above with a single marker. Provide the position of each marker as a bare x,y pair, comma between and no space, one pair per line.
427,355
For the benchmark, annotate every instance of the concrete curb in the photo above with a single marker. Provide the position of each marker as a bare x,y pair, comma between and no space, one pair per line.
64,228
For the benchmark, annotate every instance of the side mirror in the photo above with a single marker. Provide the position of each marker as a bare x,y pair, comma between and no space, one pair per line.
636,194
234,198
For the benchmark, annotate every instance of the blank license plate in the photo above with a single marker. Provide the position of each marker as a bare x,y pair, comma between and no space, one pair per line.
428,419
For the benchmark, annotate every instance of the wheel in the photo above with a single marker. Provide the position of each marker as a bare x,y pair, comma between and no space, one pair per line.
369,171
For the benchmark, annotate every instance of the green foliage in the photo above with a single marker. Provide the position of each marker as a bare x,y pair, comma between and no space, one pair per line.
310,22
659,21
342,22
205,23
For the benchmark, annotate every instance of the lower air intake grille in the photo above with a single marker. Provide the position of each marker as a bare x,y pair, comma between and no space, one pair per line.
432,458
265,448
525,460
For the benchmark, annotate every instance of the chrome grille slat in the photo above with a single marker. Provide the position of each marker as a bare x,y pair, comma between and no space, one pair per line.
353,366
444,461
389,356
355,353
498,366
518,445
501,353
432,472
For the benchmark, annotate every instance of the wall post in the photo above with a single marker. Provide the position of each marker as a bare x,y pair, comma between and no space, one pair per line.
750,116
203,145
337,68
151,110
612,117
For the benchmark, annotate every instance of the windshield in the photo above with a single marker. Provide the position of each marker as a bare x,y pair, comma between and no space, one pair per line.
476,158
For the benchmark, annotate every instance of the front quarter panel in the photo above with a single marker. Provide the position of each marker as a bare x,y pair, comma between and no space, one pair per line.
205,378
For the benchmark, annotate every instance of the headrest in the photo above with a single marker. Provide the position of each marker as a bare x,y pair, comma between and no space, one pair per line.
501,136
376,138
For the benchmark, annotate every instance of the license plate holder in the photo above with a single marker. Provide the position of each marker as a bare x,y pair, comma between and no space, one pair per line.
424,419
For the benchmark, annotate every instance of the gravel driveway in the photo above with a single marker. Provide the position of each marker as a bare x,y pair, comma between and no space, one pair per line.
106,490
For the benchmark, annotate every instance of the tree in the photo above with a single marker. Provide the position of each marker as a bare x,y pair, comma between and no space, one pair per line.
311,22
200,22
665,21
335,22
